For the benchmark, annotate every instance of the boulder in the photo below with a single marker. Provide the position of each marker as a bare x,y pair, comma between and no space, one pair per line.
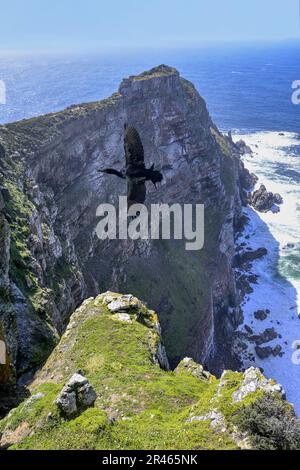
261,314
263,353
2,152
248,329
76,396
253,381
248,180
243,148
265,337
2,203
248,256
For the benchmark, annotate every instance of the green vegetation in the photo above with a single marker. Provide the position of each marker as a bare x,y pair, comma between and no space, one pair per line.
138,406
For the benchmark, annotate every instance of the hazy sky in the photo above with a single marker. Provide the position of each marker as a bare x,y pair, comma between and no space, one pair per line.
67,24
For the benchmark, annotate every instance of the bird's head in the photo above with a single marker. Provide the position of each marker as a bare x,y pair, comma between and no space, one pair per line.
156,177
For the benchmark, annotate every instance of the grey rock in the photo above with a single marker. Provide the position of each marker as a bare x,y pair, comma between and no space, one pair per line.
248,329
33,398
197,370
123,304
179,136
86,396
261,314
217,421
243,147
123,317
263,352
253,381
76,381
67,403
265,337
76,396
277,350
2,203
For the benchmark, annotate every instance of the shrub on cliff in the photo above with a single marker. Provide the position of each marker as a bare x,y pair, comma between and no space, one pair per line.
271,424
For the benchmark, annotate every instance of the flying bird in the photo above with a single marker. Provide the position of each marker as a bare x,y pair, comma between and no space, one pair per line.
135,171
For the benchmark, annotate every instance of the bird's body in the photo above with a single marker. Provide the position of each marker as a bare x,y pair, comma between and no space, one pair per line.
135,170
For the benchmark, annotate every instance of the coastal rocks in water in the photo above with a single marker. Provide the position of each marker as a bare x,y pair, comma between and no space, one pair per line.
268,335
261,314
196,408
263,352
5,239
243,148
264,201
248,256
244,282
217,421
76,396
253,381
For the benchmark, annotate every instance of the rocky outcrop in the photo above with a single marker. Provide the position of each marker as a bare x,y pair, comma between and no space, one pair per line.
254,380
265,201
52,189
189,366
76,396
243,148
249,256
118,397
261,314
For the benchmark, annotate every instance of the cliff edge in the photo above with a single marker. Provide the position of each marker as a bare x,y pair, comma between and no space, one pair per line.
50,256
107,386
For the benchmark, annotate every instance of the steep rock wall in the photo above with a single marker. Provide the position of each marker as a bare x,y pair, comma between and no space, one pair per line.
51,189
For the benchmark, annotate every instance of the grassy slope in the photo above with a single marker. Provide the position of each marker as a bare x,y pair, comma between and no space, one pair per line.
139,405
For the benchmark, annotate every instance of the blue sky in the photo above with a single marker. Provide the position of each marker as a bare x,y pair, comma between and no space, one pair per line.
89,24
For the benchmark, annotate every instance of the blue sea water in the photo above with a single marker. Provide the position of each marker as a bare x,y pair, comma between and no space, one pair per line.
248,90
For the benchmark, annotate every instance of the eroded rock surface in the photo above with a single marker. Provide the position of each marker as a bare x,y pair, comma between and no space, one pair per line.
50,192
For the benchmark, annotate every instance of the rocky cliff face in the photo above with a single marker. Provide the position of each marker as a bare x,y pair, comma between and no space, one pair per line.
51,258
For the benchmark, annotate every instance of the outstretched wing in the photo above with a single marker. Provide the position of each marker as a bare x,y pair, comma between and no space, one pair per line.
134,150
136,192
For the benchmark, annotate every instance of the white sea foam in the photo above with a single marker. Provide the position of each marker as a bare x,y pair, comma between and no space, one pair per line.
276,166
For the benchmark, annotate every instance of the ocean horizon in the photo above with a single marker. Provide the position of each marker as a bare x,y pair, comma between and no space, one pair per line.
247,88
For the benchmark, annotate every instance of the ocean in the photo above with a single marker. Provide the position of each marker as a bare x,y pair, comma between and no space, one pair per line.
248,90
